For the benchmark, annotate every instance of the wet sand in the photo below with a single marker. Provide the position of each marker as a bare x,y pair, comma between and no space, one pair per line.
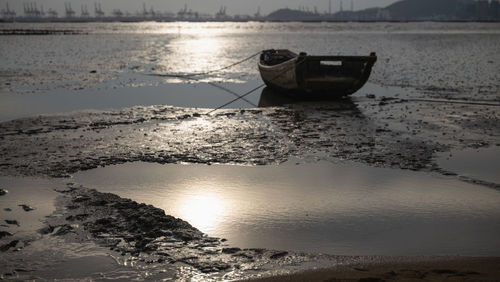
404,269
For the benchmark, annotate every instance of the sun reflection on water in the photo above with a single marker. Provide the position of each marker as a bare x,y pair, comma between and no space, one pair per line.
203,210
200,53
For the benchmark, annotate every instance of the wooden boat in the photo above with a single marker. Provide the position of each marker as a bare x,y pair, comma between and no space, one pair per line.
327,75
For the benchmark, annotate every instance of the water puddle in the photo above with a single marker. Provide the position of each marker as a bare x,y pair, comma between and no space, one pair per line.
153,91
342,208
481,163
27,201
178,94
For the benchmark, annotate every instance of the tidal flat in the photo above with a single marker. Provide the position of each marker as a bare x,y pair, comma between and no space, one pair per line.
108,164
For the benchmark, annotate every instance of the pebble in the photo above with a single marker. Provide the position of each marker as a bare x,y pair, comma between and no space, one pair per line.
4,234
6,247
26,207
12,222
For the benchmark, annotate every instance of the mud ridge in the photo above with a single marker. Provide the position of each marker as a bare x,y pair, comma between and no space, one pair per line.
144,236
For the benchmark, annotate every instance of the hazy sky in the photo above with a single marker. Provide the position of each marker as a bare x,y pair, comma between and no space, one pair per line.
203,6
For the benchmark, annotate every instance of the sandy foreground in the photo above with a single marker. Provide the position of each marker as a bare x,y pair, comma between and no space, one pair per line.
405,269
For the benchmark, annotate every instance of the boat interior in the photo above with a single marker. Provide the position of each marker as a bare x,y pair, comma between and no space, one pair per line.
274,57
316,66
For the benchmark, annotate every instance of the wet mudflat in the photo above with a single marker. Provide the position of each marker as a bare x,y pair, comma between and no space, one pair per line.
384,132
425,107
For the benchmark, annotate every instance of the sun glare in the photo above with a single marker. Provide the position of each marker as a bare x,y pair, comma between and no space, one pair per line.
204,211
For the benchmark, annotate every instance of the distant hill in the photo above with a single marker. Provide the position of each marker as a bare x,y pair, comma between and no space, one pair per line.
405,10
427,9
291,15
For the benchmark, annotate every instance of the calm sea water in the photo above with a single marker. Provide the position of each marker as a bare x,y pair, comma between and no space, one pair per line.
114,65
341,208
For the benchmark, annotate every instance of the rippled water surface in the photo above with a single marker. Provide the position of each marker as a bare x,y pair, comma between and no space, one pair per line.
323,207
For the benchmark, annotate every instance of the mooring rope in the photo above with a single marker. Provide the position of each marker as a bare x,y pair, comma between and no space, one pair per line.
231,92
207,72
253,90
236,99
190,76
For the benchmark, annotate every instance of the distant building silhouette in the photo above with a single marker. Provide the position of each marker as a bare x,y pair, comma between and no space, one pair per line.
69,11
98,10
84,12
221,14
31,10
7,13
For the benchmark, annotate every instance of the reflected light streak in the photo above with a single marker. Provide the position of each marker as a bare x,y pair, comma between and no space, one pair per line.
190,28
204,45
196,54
195,127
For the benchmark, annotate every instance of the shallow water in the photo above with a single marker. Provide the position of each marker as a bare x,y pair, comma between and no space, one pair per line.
189,95
480,163
340,208
176,94
33,192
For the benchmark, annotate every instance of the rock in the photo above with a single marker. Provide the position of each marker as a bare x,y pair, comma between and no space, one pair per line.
46,230
78,217
26,208
12,222
6,247
230,250
7,209
4,234
3,192
278,255
98,203
80,199
64,229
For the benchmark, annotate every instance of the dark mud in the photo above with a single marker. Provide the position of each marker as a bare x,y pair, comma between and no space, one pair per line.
383,132
40,32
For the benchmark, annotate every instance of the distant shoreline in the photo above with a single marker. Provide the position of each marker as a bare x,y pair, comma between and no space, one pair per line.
108,20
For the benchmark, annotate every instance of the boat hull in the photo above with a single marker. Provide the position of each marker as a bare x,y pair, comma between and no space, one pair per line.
324,75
